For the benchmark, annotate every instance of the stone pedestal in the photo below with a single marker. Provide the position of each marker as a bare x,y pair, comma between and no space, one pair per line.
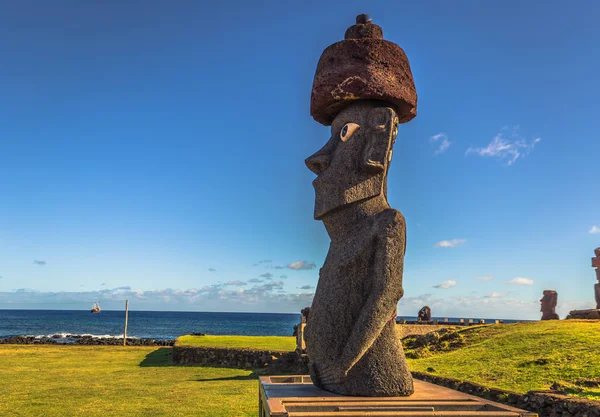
593,314
286,396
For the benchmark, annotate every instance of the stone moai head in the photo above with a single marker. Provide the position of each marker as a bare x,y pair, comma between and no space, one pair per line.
363,88
305,312
424,314
548,305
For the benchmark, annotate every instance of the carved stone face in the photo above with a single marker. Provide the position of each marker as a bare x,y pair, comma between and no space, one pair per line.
548,302
352,166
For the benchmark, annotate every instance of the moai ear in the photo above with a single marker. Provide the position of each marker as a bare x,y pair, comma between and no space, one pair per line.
382,128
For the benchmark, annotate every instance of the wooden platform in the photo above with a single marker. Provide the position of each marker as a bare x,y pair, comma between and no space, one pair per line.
296,396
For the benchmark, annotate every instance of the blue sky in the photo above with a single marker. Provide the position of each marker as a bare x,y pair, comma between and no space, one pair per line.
154,151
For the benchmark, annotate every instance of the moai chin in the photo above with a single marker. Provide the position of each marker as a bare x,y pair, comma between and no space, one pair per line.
363,88
596,264
548,305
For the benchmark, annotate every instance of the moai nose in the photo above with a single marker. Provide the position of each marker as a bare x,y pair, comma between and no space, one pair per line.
318,163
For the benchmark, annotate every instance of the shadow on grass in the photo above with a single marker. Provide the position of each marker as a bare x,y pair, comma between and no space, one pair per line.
586,395
158,357
593,396
250,376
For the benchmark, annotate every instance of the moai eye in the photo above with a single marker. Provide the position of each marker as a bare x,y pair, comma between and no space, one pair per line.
348,130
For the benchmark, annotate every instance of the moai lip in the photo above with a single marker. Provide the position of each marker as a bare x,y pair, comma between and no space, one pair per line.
363,88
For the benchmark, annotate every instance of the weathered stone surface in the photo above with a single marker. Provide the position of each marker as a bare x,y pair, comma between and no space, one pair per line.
286,362
548,305
363,88
364,66
424,314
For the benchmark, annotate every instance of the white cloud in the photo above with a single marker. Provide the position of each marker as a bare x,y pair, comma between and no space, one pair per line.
236,283
446,284
301,265
507,145
595,229
306,287
443,141
268,296
450,243
495,294
485,278
520,281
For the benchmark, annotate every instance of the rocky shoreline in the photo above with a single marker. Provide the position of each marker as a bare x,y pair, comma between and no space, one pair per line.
75,339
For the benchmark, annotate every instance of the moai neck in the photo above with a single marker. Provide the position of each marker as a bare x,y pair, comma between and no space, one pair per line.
343,222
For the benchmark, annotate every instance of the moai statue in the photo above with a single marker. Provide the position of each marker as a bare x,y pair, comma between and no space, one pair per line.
363,88
596,264
424,314
549,301
299,331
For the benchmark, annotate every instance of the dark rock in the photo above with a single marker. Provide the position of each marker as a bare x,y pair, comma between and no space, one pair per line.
363,67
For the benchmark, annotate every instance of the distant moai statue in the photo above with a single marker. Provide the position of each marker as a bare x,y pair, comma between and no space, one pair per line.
596,265
363,88
548,305
424,314
299,331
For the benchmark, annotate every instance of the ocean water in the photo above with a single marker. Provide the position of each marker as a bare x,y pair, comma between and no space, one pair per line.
153,324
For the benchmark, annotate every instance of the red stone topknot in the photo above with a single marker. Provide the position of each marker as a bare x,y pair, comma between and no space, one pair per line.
363,66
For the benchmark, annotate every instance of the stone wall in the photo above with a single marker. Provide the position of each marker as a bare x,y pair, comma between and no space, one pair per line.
285,362
545,403
421,329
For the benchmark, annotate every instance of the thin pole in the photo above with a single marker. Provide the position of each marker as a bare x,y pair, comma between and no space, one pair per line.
126,317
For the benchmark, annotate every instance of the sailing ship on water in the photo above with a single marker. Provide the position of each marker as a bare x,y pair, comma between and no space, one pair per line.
95,308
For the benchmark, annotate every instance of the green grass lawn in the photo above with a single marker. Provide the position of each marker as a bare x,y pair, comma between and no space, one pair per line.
272,343
141,381
524,356
116,381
